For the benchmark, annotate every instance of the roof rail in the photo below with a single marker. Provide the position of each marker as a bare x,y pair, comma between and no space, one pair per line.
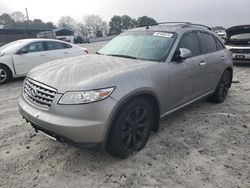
184,24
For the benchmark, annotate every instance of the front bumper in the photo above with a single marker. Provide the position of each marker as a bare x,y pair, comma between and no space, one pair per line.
81,125
241,58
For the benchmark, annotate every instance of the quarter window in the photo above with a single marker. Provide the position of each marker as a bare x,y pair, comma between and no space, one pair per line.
57,45
208,44
191,42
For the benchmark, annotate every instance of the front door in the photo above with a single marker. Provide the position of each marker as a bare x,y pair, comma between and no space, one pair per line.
28,57
186,77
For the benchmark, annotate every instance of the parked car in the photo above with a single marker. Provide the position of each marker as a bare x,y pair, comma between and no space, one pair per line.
81,40
19,57
115,98
238,42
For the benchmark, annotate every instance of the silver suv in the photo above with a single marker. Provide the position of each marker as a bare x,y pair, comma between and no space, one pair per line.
114,99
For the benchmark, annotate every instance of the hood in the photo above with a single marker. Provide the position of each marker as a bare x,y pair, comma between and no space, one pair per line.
85,72
238,36
238,30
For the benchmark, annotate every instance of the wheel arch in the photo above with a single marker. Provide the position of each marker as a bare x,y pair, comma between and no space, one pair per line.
7,67
148,95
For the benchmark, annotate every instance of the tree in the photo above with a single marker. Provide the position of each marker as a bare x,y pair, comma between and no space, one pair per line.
50,25
115,25
95,25
128,22
7,21
18,16
118,24
67,22
82,29
145,20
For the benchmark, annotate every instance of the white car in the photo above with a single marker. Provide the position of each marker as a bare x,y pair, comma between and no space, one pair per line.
19,57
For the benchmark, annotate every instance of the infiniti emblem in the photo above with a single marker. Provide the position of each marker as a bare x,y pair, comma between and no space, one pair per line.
33,92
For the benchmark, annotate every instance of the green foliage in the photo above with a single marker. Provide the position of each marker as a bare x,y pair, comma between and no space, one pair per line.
145,21
118,24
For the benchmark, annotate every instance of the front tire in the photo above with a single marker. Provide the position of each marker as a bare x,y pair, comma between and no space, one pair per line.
5,74
221,91
131,128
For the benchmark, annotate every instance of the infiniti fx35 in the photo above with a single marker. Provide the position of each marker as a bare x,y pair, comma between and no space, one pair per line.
113,99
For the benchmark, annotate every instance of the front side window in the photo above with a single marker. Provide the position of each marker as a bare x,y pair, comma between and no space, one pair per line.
191,42
153,46
33,47
57,45
208,44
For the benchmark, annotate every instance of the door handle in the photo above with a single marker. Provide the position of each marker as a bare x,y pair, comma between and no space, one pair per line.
222,58
43,55
65,52
202,63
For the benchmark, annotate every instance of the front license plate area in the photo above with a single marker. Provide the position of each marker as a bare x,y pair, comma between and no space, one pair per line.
239,56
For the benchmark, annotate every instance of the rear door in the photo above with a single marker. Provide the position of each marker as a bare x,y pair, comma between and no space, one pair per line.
58,50
28,57
213,59
186,78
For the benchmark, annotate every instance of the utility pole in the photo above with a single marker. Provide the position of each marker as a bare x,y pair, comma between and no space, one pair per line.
27,14
28,21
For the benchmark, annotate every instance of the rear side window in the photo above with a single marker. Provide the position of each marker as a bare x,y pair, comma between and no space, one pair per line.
219,45
191,42
57,45
208,44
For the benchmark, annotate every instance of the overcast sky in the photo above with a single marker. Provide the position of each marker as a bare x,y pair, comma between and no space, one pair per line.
210,12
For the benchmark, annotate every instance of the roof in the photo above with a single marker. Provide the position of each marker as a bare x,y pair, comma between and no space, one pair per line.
172,26
63,32
21,31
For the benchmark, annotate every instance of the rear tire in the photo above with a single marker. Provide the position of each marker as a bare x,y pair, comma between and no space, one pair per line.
5,74
223,86
131,128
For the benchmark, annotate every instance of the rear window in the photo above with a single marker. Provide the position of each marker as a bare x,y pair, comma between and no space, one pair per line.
208,44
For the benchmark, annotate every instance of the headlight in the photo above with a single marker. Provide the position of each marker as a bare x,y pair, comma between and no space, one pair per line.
82,97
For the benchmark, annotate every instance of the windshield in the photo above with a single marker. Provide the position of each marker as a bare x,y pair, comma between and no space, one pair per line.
153,46
243,36
11,46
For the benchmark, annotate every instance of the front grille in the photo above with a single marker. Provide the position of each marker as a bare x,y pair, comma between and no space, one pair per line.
38,93
240,51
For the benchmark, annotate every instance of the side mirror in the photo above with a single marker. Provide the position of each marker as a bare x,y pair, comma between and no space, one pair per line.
22,51
182,53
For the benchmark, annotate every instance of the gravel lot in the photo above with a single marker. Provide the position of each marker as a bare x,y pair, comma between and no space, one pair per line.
204,145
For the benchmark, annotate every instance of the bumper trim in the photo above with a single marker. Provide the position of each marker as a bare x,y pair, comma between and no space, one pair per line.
89,146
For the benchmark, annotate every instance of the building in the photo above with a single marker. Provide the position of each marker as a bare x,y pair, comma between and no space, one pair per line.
9,35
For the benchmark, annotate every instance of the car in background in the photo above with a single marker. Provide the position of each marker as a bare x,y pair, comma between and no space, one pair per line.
19,57
81,40
115,98
238,42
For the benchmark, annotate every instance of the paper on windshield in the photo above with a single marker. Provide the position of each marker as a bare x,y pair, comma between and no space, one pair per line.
162,34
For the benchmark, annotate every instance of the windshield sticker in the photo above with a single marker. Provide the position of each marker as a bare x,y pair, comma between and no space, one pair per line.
161,34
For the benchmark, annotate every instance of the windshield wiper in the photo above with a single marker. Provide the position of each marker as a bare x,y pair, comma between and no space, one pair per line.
120,55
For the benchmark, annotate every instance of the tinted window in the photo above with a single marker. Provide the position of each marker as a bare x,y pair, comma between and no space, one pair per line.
57,45
208,43
219,45
191,42
34,47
